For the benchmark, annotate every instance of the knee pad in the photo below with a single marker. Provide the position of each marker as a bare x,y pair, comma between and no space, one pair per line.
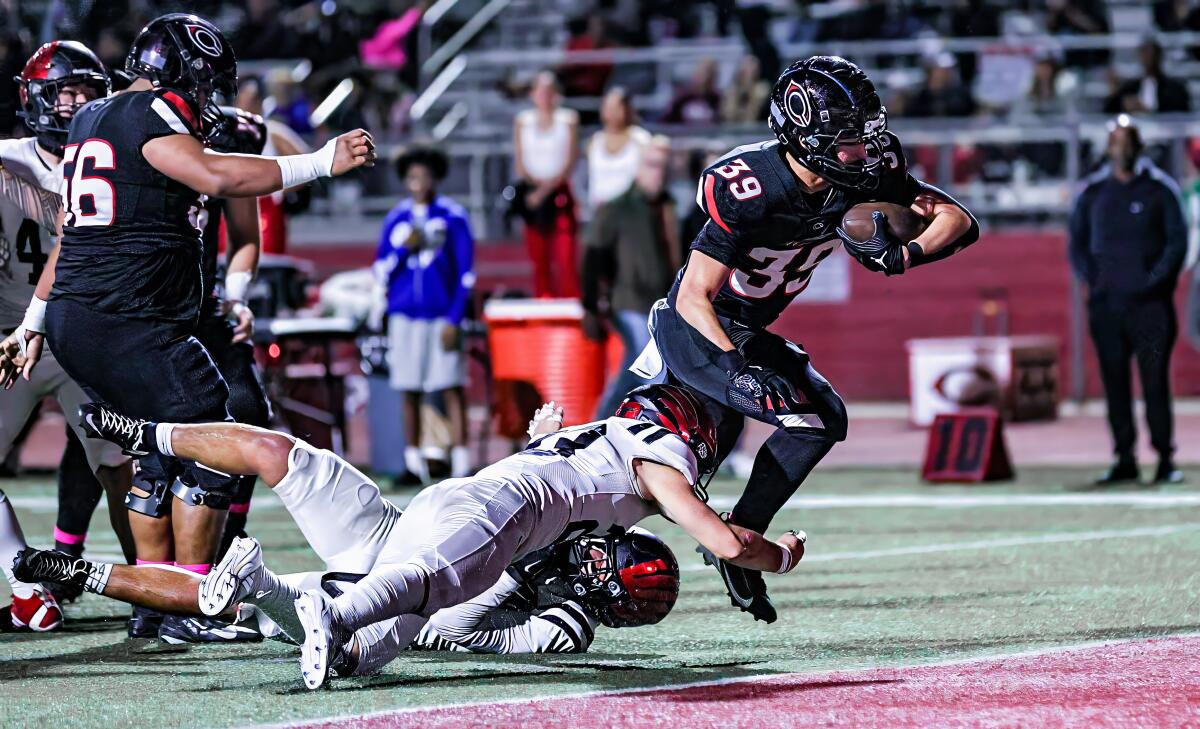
200,486
157,500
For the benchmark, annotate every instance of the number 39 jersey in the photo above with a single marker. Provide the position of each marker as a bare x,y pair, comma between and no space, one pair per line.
29,206
764,226
130,243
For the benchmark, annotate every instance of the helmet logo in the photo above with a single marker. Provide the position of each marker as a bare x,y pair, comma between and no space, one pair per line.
205,40
702,449
797,104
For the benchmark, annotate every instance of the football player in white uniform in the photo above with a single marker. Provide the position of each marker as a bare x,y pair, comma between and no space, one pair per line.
456,538
58,79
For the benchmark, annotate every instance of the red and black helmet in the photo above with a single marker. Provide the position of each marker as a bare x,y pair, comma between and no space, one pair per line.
678,410
186,53
48,70
626,579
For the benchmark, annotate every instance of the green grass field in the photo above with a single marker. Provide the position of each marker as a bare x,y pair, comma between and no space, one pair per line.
897,573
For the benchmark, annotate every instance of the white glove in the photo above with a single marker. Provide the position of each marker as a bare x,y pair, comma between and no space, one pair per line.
547,419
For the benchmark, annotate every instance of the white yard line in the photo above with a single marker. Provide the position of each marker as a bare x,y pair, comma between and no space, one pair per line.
967,501
1049,538
354,719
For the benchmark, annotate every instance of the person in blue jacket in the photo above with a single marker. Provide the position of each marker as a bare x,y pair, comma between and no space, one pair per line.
424,263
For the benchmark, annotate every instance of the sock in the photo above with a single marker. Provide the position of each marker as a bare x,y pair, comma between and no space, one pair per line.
460,462
161,437
79,493
11,542
782,464
97,576
199,569
71,544
414,461
275,597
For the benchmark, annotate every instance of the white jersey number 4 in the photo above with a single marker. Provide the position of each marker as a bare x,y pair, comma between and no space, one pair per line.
98,192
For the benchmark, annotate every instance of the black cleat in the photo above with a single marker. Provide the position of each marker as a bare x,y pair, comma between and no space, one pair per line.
746,588
1167,474
1120,472
47,565
178,629
144,623
134,436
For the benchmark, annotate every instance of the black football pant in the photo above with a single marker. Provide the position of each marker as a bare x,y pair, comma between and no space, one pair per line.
1144,331
803,435
144,369
247,404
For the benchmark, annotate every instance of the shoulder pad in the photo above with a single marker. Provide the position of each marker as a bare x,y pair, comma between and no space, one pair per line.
177,109
735,188
637,439
887,147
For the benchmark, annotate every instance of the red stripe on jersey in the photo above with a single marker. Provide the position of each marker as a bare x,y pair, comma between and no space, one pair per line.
710,202
184,108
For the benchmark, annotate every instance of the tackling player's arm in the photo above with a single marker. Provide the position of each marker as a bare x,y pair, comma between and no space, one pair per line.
22,350
245,244
183,158
742,547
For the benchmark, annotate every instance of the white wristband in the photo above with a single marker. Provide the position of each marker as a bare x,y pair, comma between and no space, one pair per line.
785,564
35,316
301,169
236,285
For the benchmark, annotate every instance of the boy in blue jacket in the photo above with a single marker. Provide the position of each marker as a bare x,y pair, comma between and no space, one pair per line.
424,263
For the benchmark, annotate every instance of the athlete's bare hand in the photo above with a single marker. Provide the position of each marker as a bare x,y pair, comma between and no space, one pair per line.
794,543
243,321
19,357
354,149
547,419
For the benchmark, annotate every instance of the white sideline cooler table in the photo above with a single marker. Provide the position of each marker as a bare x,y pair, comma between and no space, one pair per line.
1018,375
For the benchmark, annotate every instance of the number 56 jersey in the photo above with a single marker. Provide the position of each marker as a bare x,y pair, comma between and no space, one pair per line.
771,232
130,245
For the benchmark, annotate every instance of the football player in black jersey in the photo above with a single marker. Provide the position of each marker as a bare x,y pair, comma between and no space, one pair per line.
774,210
125,286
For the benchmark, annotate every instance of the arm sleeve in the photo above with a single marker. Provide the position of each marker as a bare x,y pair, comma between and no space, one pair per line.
564,628
1079,243
1166,268
464,258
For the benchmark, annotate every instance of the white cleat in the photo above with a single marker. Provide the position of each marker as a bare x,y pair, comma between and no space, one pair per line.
230,580
323,645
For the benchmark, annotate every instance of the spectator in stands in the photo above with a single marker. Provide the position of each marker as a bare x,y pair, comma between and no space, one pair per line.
1128,240
613,152
745,99
425,266
630,257
698,103
943,92
590,78
1079,17
545,150
1154,92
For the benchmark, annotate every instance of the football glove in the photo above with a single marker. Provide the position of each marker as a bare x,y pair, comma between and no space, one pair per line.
755,388
882,252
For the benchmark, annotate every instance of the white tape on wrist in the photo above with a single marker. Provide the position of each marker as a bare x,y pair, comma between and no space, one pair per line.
35,316
237,283
301,169
785,564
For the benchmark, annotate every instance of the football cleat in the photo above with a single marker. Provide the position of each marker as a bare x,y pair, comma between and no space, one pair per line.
178,629
746,589
324,643
105,424
39,612
231,579
48,565
144,623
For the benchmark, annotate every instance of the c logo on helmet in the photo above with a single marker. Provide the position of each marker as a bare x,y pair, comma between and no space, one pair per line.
205,40
797,105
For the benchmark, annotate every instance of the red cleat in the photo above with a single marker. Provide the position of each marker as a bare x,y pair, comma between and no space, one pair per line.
38,613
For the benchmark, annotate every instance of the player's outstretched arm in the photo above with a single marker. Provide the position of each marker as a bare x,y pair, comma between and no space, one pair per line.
184,159
245,245
742,547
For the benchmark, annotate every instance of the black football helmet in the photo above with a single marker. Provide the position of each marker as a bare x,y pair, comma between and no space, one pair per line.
821,103
239,131
53,66
678,410
189,54
625,580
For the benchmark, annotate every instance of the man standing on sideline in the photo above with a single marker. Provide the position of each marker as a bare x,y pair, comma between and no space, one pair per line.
631,255
1128,243
425,265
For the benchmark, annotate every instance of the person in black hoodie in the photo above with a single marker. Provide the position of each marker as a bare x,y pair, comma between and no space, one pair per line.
1128,240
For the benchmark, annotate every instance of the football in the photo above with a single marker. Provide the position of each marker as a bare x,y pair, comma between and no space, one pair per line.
902,221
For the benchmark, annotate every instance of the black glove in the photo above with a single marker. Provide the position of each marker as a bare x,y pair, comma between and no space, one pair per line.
754,388
882,252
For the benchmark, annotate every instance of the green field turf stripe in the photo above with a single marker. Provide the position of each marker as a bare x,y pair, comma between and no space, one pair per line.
966,501
992,543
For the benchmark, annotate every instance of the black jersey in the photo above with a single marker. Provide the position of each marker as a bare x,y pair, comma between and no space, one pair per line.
763,225
241,133
130,242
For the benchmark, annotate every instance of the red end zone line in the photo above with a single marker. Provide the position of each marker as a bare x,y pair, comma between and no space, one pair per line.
1138,682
